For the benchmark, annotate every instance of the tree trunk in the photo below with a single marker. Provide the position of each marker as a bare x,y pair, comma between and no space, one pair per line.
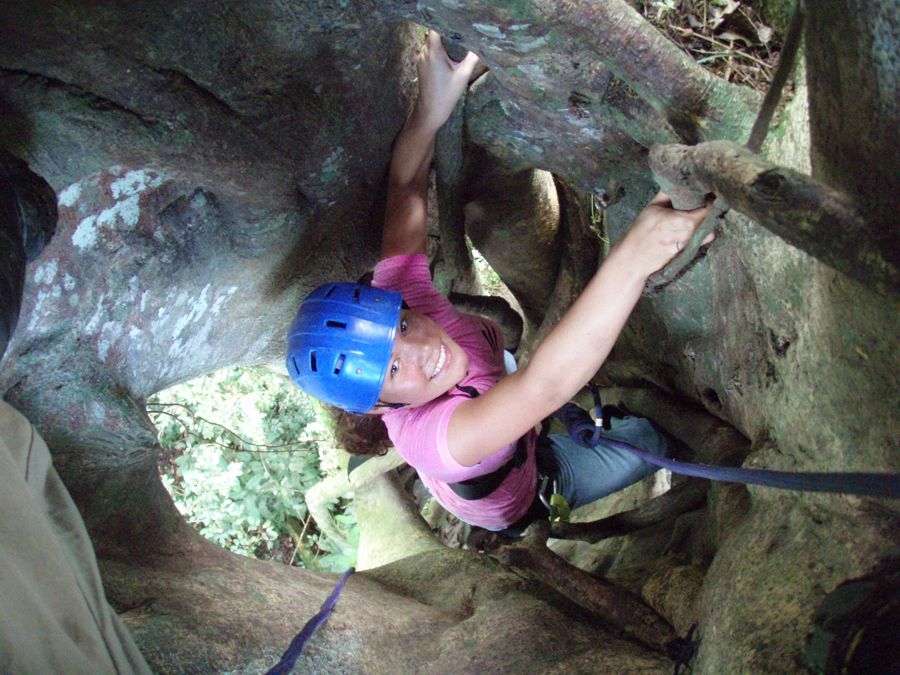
214,162
851,54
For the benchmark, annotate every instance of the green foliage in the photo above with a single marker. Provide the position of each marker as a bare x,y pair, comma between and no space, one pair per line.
241,447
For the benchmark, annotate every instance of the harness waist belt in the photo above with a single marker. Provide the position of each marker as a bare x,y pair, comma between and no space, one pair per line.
481,486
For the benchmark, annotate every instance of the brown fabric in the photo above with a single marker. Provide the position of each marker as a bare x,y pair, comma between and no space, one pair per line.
54,617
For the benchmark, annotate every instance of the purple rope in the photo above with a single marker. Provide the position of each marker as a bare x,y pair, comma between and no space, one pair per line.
864,484
584,432
292,653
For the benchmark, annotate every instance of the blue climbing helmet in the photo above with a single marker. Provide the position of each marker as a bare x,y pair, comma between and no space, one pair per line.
340,343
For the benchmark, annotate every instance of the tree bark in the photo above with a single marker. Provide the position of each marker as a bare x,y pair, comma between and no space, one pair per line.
390,526
696,104
854,71
522,133
514,215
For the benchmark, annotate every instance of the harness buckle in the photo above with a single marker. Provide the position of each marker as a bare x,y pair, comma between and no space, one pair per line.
557,505
541,491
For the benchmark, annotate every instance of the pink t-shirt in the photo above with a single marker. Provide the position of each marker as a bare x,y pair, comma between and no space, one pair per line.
420,434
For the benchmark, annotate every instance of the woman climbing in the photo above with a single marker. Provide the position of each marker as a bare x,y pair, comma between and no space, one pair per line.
399,353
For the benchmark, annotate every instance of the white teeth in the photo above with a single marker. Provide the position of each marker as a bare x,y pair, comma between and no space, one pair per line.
440,363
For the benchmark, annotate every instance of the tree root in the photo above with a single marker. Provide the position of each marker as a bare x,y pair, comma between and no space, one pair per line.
610,603
697,105
578,263
459,272
318,497
682,498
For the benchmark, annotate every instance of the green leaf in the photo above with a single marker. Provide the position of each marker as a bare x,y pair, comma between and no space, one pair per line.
228,493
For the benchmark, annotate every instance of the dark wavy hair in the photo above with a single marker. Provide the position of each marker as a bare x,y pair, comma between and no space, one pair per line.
359,434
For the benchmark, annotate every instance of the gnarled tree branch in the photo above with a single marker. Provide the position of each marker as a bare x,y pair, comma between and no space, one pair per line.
451,219
817,219
526,39
698,105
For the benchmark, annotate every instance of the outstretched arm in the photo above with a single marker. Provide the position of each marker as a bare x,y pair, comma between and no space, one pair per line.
441,83
576,347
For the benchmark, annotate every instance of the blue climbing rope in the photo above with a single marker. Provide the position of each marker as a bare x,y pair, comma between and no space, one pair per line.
587,433
292,653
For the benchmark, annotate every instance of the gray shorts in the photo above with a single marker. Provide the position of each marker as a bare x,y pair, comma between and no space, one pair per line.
586,474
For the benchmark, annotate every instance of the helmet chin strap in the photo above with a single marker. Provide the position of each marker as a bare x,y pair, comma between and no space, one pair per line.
393,406
471,392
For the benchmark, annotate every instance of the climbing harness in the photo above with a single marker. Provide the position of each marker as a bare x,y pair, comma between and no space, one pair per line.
588,433
292,653
480,487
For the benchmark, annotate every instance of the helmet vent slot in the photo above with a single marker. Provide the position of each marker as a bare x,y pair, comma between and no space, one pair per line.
336,324
296,367
356,292
330,291
339,364
312,363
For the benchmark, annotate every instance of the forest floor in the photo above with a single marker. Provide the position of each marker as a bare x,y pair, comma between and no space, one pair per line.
729,38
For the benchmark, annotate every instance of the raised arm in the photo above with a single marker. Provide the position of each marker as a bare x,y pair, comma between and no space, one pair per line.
576,347
441,83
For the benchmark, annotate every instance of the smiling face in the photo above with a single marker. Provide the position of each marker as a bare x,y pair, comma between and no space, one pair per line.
425,362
